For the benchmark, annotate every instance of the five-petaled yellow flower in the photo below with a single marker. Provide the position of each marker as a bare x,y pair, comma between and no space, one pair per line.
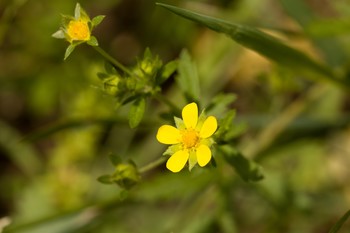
190,140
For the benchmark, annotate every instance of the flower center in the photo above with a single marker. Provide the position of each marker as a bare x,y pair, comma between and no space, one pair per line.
189,138
78,30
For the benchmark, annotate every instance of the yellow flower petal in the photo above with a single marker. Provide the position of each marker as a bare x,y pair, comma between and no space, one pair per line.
203,155
177,161
168,134
190,115
209,127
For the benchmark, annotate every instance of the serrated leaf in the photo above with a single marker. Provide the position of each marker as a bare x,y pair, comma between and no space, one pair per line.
340,223
97,20
93,41
136,112
248,170
262,43
188,77
69,50
105,179
115,159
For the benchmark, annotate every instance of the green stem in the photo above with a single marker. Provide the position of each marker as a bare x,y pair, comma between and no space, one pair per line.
112,60
152,165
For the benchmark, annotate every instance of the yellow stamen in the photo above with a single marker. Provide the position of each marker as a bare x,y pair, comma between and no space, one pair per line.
78,30
190,138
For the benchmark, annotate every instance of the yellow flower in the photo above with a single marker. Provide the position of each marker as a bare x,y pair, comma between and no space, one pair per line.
78,30
190,140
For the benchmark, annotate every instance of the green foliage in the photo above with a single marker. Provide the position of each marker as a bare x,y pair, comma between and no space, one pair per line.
247,169
188,77
340,223
136,112
261,43
59,119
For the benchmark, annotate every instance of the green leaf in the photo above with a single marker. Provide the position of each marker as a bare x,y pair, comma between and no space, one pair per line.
167,71
340,223
105,179
225,125
69,50
261,43
248,170
188,77
136,112
115,159
93,41
221,103
97,20
110,69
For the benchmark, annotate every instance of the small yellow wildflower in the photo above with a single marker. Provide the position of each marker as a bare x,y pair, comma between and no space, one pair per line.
78,30
190,141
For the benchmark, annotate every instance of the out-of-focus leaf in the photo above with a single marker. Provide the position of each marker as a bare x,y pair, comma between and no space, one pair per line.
188,77
70,124
115,159
331,48
261,43
247,169
105,179
328,28
167,71
340,223
136,112
225,124
97,20
220,103
19,152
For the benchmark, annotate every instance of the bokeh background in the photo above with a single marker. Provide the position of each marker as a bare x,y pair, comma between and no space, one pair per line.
57,126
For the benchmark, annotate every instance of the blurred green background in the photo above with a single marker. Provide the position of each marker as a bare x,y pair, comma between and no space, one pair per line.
57,126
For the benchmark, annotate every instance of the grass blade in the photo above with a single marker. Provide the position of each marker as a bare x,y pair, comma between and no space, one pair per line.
262,43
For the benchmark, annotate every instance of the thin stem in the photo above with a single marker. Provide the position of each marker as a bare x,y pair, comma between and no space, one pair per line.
152,165
112,60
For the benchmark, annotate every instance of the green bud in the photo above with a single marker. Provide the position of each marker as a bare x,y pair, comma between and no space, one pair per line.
126,175
110,85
